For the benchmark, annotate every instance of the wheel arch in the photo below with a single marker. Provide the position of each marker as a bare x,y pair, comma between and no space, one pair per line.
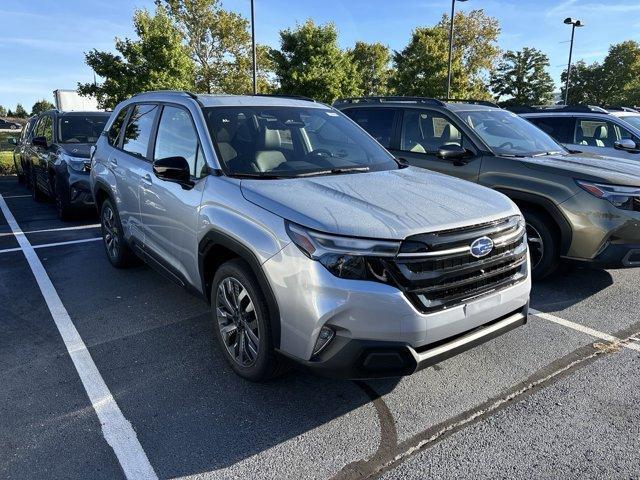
214,249
530,201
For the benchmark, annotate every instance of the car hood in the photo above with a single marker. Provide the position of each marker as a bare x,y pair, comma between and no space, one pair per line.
385,205
78,150
585,166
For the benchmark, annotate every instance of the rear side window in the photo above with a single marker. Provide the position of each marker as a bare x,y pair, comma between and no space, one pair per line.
45,129
378,122
116,127
559,128
138,130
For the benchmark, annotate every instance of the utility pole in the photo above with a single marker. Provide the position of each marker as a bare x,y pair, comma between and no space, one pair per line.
253,48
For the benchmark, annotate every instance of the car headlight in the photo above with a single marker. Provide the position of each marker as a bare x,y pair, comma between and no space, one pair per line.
620,196
76,163
345,257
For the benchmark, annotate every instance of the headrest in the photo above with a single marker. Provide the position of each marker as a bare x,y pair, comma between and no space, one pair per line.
450,133
601,132
272,140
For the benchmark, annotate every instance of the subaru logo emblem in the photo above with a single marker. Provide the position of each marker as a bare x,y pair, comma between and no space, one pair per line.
481,247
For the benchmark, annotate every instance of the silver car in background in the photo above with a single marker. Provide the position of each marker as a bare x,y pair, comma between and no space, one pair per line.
309,240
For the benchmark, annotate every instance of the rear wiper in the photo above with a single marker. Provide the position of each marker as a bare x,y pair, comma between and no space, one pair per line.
334,171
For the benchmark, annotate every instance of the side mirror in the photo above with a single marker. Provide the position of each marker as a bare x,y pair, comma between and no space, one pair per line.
173,169
39,142
453,152
625,144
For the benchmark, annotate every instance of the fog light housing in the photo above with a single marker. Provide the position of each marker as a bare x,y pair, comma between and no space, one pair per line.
325,336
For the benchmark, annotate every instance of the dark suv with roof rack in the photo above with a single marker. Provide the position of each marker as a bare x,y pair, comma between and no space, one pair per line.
578,207
611,131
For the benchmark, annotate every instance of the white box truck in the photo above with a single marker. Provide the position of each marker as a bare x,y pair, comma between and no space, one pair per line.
71,101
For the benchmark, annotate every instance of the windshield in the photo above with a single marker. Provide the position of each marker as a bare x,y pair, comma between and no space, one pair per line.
508,134
633,120
292,141
82,128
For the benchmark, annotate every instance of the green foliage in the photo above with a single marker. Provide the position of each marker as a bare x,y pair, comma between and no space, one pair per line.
522,78
371,61
41,106
219,44
20,112
310,63
421,67
3,111
157,60
615,81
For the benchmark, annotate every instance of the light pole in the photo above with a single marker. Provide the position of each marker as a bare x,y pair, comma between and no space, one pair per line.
574,23
253,48
453,12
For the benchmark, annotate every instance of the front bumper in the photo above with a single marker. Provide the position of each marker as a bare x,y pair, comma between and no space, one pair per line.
367,314
76,189
603,236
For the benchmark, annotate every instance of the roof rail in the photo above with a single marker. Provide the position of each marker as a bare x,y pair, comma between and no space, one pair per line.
486,103
179,92
284,95
558,109
389,98
622,109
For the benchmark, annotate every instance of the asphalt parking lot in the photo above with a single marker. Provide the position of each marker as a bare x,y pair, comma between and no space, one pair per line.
142,385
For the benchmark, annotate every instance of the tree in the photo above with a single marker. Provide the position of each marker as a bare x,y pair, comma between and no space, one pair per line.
9,113
41,106
3,111
522,78
20,112
421,67
585,87
621,74
371,61
310,63
157,60
219,43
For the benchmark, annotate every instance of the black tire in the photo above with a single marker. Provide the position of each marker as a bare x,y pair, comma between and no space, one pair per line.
266,363
36,193
22,178
543,244
118,251
63,208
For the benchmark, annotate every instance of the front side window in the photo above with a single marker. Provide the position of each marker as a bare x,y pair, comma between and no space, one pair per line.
378,122
595,133
45,129
82,128
138,130
116,127
292,141
507,134
425,132
177,137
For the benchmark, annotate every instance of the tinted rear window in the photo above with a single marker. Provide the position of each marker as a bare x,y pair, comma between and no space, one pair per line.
138,131
116,126
559,128
82,128
378,122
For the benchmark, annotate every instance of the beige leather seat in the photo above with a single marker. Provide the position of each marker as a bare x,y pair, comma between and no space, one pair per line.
451,136
601,135
270,157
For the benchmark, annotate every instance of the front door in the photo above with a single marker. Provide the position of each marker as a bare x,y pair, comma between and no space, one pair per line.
423,132
169,210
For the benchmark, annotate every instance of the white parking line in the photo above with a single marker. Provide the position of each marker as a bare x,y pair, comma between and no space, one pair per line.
584,329
57,244
116,429
61,229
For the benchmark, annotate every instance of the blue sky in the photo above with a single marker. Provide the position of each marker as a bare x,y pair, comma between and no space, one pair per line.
42,41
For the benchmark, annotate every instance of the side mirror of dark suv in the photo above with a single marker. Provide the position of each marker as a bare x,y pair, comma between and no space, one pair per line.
173,169
39,142
625,144
453,152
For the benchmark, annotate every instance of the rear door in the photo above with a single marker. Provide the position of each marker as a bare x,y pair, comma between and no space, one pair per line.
561,128
129,163
169,211
423,132
41,156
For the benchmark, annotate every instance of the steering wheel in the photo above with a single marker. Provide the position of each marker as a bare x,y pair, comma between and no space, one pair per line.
504,145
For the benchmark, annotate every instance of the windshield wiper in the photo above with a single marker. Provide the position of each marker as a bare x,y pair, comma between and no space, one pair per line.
544,154
334,171
265,175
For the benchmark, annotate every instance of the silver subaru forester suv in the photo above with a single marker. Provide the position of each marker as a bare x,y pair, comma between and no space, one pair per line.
309,240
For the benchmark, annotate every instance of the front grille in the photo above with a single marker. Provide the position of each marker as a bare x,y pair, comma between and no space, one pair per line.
438,271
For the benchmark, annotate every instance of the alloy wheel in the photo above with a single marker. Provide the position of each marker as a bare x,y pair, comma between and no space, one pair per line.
237,321
110,232
536,245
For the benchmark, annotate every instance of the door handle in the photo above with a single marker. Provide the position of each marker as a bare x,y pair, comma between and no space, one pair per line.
147,178
114,162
